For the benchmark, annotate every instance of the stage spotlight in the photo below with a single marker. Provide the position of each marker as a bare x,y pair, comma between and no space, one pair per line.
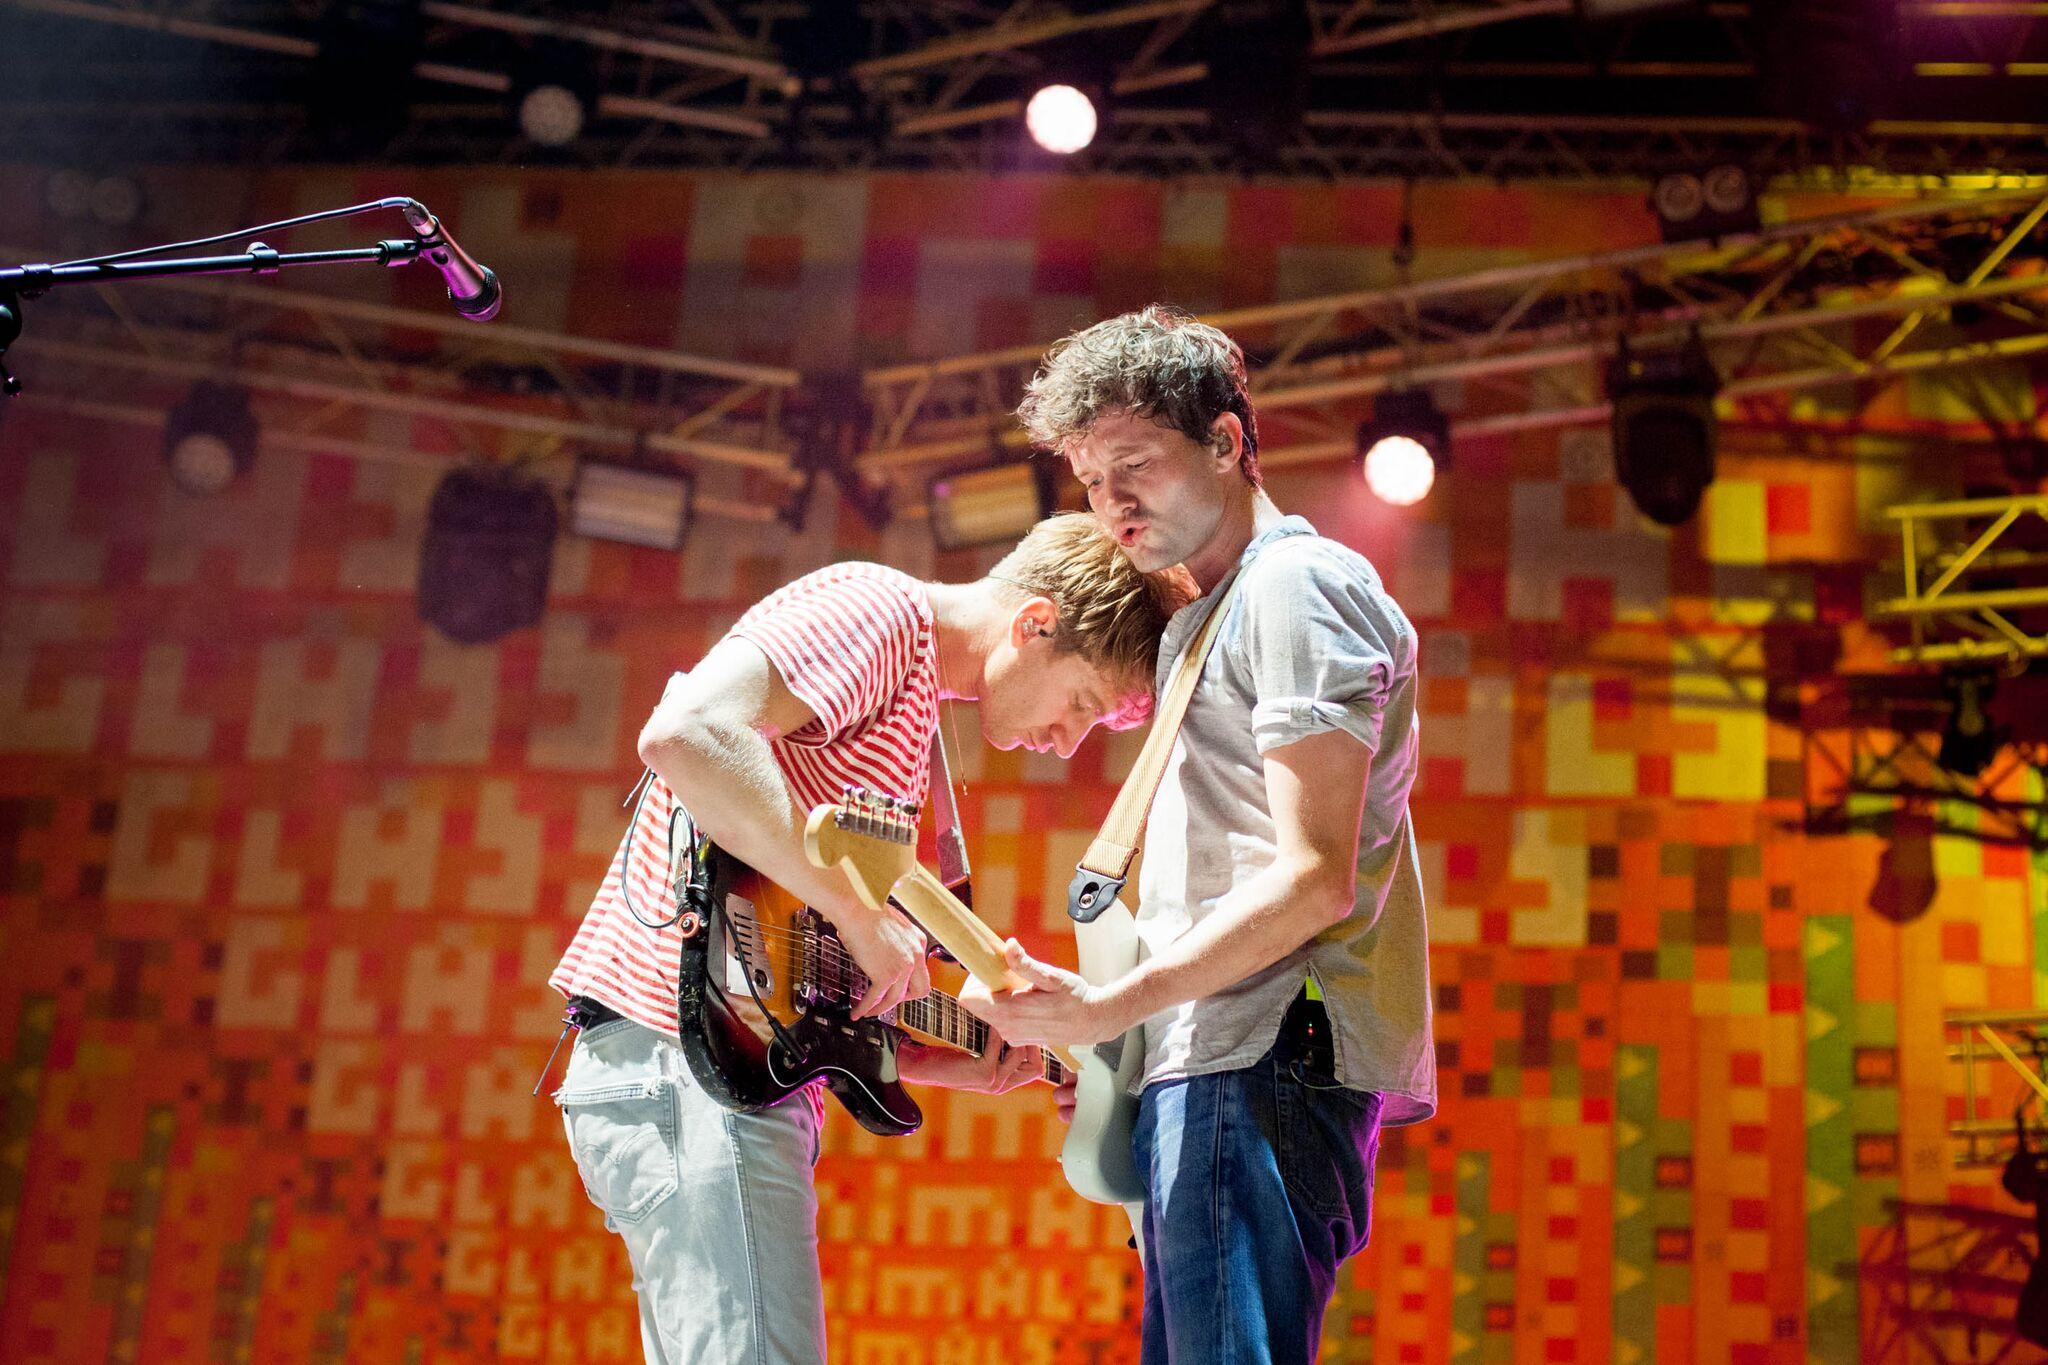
1664,429
1061,119
68,193
116,200
210,438
1969,738
993,505
630,503
1716,202
551,115
554,95
489,546
1403,446
1399,470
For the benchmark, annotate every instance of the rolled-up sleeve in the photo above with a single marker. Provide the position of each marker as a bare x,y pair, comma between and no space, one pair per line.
1322,644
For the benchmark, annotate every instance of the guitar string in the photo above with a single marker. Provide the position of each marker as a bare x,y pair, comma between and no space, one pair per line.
975,1028
858,982
835,945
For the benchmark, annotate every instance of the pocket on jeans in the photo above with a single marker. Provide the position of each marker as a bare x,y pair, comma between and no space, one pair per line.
623,1139
1327,1148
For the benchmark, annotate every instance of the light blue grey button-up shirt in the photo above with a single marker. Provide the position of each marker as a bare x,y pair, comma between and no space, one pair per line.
1313,642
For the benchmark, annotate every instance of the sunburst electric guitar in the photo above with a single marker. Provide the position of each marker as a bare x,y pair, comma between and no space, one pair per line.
767,988
876,852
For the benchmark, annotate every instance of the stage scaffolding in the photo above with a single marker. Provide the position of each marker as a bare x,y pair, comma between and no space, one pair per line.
1814,304
914,84
1827,303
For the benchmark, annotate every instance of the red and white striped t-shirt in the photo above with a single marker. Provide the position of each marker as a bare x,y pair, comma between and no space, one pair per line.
855,643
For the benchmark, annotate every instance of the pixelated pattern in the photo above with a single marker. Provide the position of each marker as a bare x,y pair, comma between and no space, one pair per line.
282,872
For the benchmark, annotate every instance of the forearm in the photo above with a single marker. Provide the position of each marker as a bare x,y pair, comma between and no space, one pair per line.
726,776
1315,788
1261,922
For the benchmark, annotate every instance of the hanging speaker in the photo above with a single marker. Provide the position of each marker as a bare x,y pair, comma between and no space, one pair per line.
489,546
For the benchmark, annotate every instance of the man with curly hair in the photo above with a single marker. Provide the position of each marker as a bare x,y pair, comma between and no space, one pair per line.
1284,985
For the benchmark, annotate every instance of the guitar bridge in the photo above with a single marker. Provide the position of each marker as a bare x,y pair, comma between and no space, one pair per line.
814,973
746,961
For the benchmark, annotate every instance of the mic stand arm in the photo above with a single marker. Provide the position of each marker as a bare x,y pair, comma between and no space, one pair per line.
31,281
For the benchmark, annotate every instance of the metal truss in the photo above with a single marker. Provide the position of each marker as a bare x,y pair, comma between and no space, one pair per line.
1344,144
1784,152
1960,561
1343,26
1825,302
1942,1284
704,66
496,391
1818,303
1945,37
1975,38
1869,749
939,84
1979,1041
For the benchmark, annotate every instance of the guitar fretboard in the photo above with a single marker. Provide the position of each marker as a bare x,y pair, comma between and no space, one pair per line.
941,1016
832,977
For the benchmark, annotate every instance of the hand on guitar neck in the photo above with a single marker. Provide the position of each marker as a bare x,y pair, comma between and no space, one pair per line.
1057,1008
874,841
885,936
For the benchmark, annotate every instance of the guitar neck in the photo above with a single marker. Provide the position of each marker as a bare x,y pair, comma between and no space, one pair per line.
961,932
940,1018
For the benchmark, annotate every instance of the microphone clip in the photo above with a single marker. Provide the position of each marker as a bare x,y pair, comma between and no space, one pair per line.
472,288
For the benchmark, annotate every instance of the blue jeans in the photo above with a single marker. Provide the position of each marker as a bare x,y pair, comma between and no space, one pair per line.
1259,1184
717,1209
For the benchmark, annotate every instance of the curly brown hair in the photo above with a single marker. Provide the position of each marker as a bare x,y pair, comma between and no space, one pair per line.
1110,614
1158,363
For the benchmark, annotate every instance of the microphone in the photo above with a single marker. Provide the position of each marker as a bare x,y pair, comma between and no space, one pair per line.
472,288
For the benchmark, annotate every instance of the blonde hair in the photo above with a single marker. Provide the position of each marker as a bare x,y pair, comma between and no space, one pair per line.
1158,363
1111,614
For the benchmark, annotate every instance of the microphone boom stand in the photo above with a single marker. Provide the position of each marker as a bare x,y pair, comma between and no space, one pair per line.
31,281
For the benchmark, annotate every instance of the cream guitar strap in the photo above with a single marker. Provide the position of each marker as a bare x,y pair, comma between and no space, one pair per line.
1099,877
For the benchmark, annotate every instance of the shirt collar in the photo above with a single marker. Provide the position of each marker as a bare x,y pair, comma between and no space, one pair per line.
1281,530
1181,628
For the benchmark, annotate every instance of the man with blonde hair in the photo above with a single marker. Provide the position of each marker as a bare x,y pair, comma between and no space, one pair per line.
1284,990
834,679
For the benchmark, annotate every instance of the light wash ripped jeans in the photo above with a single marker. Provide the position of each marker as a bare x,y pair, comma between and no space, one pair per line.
717,1209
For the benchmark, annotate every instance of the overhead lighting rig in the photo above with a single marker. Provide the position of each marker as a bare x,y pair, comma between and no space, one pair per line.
1664,428
640,503
1404,446
1833,302
989,505
487,553
210,438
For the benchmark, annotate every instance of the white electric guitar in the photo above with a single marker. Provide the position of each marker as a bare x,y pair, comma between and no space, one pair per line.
1097,1154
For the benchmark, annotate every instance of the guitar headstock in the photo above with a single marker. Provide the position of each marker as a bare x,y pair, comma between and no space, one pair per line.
872,837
